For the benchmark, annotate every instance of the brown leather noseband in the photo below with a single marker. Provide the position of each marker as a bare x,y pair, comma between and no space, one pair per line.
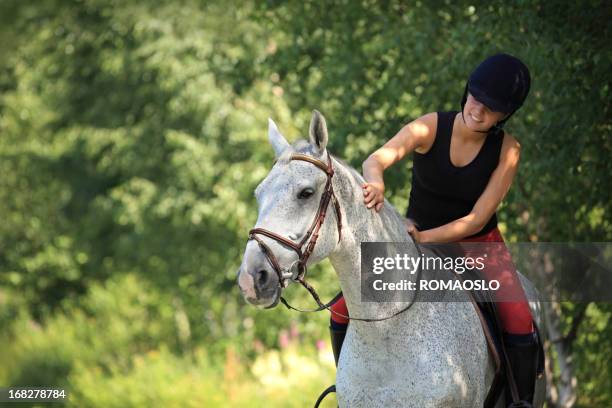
313,232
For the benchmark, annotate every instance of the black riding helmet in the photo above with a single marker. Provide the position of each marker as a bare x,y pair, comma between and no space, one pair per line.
501,83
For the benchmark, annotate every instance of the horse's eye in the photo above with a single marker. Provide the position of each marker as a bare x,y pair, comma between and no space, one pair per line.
305,193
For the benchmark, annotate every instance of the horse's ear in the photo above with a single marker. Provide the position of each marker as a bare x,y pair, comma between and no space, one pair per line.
278,141
318,131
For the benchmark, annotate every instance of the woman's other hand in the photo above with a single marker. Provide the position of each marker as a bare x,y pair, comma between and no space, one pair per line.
412,229
373,195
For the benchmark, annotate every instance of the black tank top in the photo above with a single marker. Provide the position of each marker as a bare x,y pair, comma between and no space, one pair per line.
442,192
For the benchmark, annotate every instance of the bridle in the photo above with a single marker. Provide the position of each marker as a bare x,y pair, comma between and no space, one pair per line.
311,236
313,232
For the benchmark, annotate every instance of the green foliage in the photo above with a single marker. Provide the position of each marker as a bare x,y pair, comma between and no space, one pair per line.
121,346
162,379
593,357
124,152
125,316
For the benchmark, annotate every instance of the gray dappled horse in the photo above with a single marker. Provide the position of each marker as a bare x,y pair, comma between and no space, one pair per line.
432,355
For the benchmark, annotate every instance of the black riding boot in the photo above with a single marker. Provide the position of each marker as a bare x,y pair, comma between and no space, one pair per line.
523,355
337,333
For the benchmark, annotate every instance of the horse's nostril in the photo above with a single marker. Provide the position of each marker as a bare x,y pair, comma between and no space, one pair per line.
262,277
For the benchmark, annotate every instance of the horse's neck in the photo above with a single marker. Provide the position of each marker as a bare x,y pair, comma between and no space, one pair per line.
361,224
386,225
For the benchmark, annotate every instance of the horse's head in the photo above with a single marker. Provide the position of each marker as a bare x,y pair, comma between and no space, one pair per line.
299,217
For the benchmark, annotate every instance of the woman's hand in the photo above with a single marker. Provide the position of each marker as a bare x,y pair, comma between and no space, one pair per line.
373,195
412,230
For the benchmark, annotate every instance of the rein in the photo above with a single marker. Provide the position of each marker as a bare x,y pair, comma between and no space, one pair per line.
313,234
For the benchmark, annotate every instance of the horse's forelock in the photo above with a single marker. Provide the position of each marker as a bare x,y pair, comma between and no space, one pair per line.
299,146
302,146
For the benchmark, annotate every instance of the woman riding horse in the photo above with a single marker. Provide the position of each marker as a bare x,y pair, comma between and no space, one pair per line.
464,164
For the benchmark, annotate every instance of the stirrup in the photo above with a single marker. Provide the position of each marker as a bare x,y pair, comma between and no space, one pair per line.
328,390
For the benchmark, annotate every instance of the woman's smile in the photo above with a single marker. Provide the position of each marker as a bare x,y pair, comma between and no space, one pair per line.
478,117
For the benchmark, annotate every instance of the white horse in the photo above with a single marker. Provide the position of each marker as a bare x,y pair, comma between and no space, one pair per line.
432,355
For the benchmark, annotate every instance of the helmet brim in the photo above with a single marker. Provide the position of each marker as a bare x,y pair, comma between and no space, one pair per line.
487,101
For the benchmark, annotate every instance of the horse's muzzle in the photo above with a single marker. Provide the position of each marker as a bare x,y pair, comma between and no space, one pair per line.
257,280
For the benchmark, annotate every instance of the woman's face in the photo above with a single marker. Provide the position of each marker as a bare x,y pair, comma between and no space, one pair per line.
478,117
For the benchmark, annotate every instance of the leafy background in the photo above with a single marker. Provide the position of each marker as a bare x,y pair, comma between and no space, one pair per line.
132,135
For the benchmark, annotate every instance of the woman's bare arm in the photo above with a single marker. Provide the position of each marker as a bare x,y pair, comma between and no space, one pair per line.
416,135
